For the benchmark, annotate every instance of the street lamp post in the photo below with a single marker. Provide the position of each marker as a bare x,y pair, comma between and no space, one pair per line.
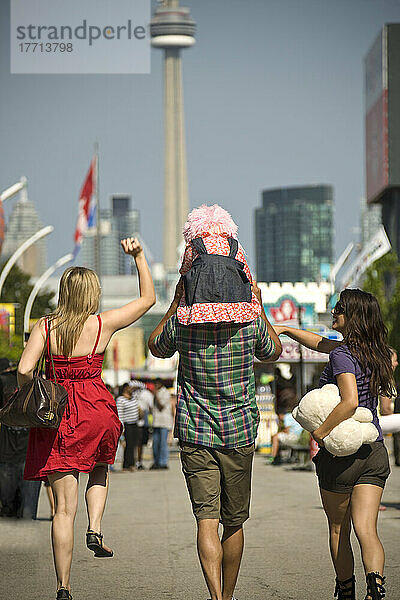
14,189
301,357
19,251
38,285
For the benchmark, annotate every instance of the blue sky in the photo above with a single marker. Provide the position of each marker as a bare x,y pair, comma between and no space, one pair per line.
273,97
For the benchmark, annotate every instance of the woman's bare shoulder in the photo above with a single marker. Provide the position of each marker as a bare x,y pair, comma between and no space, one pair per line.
91,323
40,325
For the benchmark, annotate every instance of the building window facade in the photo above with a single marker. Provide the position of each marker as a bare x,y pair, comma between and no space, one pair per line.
294,233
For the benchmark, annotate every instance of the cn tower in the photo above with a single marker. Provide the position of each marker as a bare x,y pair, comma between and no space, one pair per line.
172,29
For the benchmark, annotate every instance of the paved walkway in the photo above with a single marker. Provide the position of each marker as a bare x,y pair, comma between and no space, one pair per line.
150,526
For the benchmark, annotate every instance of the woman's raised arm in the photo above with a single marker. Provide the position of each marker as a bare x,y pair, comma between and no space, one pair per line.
308,338
119,318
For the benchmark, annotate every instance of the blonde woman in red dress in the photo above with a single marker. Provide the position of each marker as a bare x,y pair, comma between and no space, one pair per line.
87,438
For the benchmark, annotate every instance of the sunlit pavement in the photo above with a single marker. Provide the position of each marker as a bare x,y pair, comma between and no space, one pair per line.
149,525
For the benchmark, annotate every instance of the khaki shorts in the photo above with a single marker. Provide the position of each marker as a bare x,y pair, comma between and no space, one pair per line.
369,465
218,481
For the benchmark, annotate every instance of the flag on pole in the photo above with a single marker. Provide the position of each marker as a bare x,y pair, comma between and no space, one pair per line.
87,207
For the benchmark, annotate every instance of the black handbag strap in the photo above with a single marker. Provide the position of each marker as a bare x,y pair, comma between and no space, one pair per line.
47,346
40,363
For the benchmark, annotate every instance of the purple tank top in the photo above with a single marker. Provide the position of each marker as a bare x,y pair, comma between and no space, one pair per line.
342,361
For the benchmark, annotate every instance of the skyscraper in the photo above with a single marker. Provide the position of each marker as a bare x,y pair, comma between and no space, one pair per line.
294,234
116,223
171,30
23,223
382,128
371,219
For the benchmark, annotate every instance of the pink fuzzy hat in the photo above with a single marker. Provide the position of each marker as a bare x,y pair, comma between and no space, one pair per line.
209,220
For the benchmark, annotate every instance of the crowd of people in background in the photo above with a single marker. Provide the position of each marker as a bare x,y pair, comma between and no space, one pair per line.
145,408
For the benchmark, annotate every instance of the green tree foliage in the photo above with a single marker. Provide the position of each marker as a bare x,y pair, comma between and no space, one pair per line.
16,290
382,279
10,346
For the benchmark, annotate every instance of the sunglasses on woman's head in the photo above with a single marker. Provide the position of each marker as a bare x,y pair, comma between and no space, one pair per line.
338,309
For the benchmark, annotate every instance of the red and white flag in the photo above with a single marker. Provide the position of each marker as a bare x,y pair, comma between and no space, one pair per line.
87,207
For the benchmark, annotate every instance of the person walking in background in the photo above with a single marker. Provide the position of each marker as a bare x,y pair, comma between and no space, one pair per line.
128,413
145,401
217,331
87,437
389,421
288,436
351,487
18,498
162,424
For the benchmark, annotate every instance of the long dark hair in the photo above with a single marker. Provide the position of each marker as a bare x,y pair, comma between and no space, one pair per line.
366,338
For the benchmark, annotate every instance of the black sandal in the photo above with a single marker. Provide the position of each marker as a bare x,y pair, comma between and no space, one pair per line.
375,589
346,590
94,541
63,594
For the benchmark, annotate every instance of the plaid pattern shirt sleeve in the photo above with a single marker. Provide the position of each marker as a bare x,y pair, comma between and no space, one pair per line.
165,343
265,346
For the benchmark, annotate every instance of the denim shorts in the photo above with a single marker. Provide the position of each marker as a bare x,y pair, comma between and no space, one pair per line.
369,465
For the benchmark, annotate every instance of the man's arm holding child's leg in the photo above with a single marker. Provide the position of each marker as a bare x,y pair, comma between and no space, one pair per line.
170,312
271,331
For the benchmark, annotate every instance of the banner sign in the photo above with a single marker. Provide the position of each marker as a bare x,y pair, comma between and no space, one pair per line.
377,246
291,353
285,311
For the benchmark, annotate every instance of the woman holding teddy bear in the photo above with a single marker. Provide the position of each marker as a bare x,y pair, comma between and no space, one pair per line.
351,487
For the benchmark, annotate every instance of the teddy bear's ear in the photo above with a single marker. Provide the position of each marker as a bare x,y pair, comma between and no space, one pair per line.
363,415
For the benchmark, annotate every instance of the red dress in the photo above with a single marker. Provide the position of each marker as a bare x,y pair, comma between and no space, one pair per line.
89,430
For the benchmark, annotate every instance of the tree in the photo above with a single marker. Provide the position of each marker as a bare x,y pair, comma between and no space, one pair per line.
16,290
11,346
382,279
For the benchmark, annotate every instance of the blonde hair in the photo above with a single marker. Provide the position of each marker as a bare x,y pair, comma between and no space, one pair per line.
78,298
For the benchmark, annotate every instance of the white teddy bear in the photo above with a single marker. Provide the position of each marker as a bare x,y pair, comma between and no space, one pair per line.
347,437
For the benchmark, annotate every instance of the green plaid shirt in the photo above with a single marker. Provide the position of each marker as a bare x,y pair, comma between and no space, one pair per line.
216,405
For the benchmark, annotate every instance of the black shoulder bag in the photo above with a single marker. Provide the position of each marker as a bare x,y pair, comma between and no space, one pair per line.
38,403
